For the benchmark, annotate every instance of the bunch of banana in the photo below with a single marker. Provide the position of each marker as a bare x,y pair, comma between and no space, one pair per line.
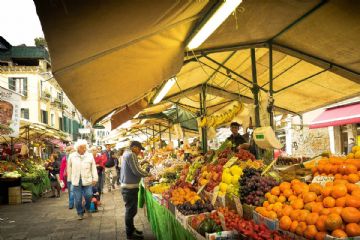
216,120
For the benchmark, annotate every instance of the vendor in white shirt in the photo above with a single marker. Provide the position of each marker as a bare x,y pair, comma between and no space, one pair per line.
82,172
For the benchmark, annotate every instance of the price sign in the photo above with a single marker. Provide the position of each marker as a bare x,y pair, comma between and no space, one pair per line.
322,180
215,194
201,189
238,206
222,220
230,162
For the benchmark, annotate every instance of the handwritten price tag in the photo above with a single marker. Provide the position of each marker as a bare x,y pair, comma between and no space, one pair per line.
222,220
322,180
238,206
230,162
201,189
215,195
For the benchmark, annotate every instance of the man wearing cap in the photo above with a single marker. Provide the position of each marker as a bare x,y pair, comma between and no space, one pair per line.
235,138
130,177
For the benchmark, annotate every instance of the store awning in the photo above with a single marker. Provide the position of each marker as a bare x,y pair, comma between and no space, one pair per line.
120,51
338,116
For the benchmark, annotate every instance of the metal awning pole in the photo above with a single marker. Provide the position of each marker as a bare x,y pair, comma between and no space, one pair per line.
203,113
271,100
255,88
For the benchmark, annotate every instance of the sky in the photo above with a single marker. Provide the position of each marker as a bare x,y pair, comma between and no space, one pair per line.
19,22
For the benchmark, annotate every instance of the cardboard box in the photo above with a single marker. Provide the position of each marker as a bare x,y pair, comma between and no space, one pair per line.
224,235
270,223
183,219
248,211
291,235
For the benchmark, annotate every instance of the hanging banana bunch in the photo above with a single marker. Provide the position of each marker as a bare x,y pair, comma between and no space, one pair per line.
216,120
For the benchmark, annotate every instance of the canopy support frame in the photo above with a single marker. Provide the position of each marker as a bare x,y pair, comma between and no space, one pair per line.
203,113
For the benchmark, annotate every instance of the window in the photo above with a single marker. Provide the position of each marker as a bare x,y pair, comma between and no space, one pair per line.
52,119
44,116
18,85
25,113
59,96
60,123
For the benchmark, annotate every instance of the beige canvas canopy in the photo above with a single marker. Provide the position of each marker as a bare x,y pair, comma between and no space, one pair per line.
109,54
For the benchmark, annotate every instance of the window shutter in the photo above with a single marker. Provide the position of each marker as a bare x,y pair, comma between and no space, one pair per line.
25,87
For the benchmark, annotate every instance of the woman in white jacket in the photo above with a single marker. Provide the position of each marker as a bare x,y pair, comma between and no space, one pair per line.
82,172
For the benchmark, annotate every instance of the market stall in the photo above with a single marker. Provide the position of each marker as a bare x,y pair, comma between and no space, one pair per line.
25,167
230,195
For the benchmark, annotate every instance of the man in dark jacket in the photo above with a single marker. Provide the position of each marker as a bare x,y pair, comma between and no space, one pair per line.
110,168
130,177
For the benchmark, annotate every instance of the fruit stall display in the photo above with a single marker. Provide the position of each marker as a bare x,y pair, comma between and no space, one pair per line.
285,160
312,210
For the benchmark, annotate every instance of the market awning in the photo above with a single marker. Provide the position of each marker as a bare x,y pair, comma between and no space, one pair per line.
338,116
107,55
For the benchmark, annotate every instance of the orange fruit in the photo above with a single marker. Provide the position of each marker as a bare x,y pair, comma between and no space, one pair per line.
293,226
329,202
298,204
297,188
312,218
326,191
285,223
286,210
272,215
353,178
295,181
333,221
316,188
338,176
300,229
339,233
320,236
317,207
350,215
284,185
350,168
325,211
266,203
310,232
320,223
352,187
355,191
309,206
353,201
352,229
292,198
282,199
339,190
294,215
309,197
336,210
303,215
275,191
288,192
340,202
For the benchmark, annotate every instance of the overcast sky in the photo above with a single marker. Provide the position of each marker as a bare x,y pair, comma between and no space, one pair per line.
19,22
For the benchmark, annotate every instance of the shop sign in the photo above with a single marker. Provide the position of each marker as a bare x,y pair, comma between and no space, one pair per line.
9,113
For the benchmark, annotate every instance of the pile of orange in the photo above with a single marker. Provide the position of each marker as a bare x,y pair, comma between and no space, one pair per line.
340,168
312,211
182,195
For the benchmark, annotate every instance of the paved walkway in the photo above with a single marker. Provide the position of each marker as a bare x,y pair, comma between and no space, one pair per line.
50,218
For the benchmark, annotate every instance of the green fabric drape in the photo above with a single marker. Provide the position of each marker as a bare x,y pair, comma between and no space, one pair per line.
163,223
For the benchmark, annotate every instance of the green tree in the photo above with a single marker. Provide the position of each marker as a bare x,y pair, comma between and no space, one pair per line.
40,42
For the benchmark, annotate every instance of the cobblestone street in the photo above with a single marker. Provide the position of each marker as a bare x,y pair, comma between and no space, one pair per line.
50,218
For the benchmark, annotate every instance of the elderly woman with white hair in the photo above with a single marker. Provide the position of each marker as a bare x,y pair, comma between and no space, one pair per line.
83,175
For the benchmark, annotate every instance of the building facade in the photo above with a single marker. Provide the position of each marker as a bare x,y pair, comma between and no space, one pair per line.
27,71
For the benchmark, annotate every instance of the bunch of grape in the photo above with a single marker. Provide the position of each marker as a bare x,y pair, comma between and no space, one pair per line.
253,186
244,155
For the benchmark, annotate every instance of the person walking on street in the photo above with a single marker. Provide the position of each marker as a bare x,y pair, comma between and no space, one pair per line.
83,174
53,169
64,175
130,177
100,161
110,168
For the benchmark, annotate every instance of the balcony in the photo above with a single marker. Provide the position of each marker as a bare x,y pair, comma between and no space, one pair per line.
22,69
46,96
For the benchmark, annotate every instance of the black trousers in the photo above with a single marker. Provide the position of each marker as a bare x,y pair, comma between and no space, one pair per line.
130,197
